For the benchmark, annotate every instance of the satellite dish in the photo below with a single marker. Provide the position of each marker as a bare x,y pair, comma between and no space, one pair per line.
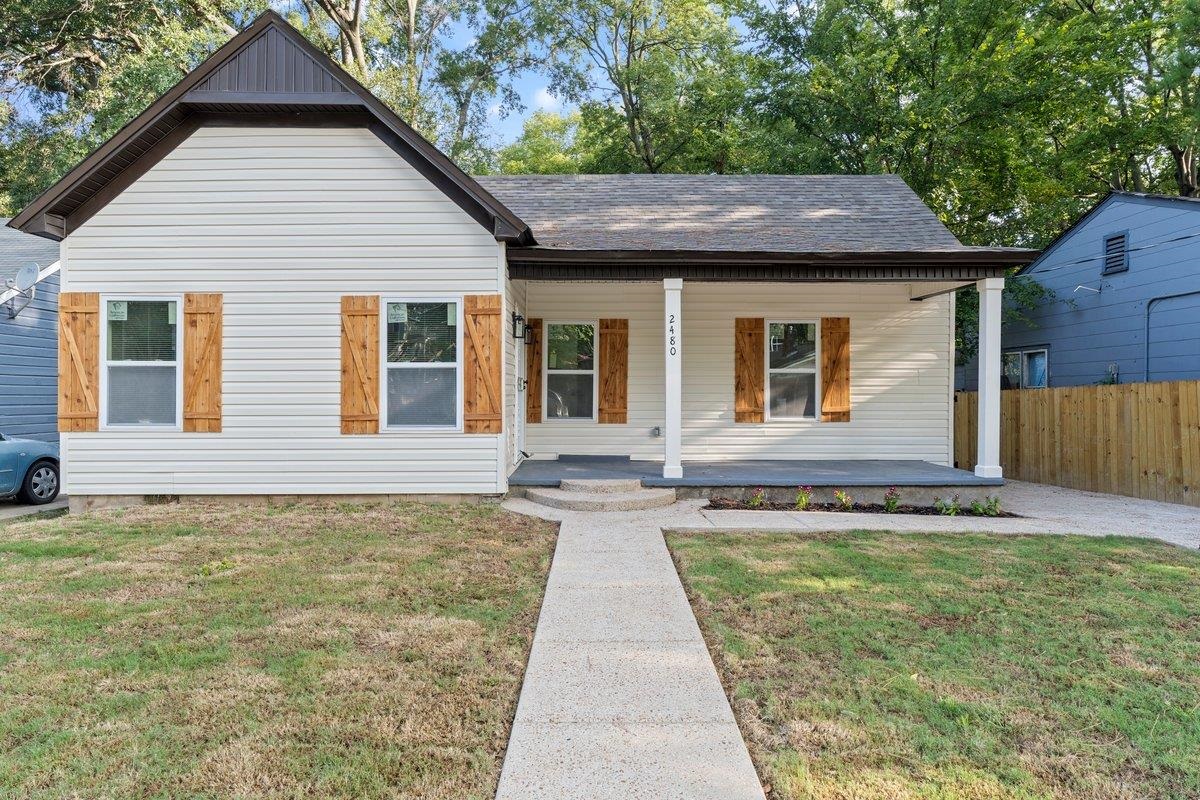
26,278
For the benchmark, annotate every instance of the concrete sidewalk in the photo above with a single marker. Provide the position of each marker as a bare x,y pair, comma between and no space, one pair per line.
621,699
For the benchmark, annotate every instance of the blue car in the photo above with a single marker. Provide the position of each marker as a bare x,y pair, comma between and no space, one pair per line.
28,470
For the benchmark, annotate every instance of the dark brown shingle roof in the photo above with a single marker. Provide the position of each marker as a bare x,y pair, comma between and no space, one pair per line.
736,213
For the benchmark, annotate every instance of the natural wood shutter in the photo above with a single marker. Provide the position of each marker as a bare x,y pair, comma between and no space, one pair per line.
483,400
202,324
78,361
533,372
835,369
614,371
360,364
748,379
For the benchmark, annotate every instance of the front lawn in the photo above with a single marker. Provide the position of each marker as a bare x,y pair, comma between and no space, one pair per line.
213,651
876,665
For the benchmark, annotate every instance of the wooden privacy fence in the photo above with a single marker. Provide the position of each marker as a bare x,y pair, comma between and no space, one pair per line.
1135,439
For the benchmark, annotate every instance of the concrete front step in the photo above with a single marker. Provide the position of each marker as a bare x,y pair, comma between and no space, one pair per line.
600,486
637,500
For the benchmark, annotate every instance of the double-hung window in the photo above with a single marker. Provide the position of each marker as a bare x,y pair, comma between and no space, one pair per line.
421,358
142,343
570,371
791,370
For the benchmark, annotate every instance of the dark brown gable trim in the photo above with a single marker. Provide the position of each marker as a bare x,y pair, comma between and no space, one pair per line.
267,71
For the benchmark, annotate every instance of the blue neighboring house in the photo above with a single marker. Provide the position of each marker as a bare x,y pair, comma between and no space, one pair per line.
1126,306
28,340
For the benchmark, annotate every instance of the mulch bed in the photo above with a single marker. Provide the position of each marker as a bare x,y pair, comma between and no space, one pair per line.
726,504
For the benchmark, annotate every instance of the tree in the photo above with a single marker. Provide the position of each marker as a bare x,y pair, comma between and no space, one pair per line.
546,146
657,64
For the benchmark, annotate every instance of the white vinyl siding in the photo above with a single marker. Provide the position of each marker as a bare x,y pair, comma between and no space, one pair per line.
283,222
901,367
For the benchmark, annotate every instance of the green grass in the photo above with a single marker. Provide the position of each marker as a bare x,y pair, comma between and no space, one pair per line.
313,650
876,665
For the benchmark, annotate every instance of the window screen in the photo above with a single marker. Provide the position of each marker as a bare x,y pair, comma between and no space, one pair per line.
570,371
422,364
792,370
142,362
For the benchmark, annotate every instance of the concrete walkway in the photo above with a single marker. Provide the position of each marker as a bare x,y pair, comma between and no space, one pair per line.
621,699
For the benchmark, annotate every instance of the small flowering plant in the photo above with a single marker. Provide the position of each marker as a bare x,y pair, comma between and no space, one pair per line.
949,508
757,498
804,496
844,501
891,500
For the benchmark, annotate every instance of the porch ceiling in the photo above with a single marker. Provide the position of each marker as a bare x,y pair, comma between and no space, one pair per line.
765,472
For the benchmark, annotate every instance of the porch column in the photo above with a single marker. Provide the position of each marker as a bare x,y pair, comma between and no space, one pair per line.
988,456
673,395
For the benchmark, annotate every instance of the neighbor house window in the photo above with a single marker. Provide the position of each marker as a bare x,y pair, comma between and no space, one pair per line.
141,362
1025,369
1116,253
791,370
570,370
421,359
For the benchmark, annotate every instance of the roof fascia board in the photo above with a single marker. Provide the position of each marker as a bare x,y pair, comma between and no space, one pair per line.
967,257
753,273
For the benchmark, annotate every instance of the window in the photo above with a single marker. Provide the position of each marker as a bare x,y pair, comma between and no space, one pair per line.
1025,369
141,362
570,371
791,370
421,349
1116,253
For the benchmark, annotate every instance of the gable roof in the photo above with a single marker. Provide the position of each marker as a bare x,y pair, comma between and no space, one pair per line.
18,249
1189,203
741,213
266,71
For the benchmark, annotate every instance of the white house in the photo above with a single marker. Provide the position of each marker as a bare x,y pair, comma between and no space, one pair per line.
272,285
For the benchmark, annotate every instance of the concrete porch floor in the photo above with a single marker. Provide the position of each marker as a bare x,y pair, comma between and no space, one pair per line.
765,473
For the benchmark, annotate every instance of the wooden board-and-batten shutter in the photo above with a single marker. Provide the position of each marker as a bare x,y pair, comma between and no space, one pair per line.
533,371
483,398
202,330
835,369
614,371
360,364
749,342
78,361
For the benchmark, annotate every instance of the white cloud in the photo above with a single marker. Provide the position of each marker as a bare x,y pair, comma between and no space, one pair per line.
544,101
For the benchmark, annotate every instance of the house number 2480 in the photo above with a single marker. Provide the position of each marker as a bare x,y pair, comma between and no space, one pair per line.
671,343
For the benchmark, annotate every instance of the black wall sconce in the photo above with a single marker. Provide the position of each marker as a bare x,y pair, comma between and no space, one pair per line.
519,328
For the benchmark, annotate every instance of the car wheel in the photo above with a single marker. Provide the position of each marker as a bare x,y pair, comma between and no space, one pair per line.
41,484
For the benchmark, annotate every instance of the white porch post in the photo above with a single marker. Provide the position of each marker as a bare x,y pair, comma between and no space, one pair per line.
988,457
673,399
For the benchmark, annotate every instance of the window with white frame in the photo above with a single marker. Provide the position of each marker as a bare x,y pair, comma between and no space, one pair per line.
1025,369
141,361
570,371
791,370
421,351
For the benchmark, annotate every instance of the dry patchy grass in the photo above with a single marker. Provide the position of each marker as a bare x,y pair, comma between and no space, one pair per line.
314,650
937,667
